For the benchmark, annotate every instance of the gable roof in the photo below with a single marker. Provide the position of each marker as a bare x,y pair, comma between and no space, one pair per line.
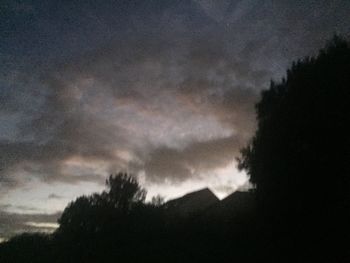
192,202
233,206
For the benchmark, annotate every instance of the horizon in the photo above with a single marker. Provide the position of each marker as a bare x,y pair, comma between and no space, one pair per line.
49,227
163,90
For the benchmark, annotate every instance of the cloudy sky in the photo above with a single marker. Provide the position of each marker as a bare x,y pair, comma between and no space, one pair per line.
164,89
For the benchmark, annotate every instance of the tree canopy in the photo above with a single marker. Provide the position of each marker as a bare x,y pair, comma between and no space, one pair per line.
91,213
124,190
297,160
299,157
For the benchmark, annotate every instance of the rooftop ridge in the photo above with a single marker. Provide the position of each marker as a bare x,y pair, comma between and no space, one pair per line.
205,189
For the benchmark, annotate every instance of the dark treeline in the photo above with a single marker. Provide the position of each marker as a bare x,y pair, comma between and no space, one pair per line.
298,162
299,159
118,226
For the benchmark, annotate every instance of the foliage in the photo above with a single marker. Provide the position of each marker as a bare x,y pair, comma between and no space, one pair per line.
124,190
298,158
117,225
91,213
27,247
157,201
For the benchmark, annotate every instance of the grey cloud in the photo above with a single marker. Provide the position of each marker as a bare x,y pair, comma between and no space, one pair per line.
27,209
198,157
116,103
72,120
12,224
54,196
59,130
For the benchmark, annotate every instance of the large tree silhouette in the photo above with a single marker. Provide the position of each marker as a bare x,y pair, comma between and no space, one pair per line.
297,160
90,214
299,156
123,191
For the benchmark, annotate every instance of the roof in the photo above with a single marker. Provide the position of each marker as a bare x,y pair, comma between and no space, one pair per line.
235,205
192,203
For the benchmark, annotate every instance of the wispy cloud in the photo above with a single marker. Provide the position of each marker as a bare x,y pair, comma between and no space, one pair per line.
42,225
54,196
13,223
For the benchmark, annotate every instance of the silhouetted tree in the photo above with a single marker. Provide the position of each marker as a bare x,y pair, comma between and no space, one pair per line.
117,225
299,156
298,161
85,212
157,200
124,191
111,224
77,217
27,247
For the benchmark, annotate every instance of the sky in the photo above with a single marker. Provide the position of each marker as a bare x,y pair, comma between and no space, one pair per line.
163,89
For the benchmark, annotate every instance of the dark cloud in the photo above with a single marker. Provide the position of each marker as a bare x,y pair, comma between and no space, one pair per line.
54,196
166,88
24,208
11,223
78,116
198,157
